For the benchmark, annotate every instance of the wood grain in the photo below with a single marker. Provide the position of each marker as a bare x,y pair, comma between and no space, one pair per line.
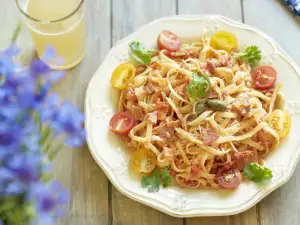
282,206
127,17
89,186
231,9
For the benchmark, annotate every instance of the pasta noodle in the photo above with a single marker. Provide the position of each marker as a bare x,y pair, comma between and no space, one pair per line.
194,146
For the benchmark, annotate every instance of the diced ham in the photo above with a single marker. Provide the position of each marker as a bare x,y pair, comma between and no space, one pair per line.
172,172
210,67
137,112
152,117
162,110
195,171
209,135
241,159
191,183
166,132
181,54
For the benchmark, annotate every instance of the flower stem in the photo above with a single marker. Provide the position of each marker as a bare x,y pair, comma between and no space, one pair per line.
16,33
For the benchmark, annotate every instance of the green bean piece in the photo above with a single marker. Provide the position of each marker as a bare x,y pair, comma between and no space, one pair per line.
217,105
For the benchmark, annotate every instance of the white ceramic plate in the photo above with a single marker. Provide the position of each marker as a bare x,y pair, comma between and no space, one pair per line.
111,154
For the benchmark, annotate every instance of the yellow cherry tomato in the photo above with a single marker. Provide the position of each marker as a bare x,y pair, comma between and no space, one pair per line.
223,40
142,161
280,121
122,75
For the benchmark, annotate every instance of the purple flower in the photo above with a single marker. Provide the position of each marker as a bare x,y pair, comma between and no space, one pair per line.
26,106
64,119
48,200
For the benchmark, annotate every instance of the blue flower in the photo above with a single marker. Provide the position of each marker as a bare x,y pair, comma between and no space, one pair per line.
48,200
25,103
64,119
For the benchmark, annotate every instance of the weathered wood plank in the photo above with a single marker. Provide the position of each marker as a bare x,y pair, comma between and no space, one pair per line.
127,17
89,185
231,9
282,206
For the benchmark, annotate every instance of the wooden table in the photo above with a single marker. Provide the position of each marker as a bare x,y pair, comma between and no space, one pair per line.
94,200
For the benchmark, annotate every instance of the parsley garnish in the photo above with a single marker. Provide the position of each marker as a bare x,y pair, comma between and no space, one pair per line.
257,173
139,53
166,177
152,181
198,87
252,55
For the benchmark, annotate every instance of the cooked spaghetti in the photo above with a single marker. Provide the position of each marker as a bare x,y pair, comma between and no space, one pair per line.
203,110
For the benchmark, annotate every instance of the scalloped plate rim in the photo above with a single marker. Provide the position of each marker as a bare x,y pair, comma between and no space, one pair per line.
262,193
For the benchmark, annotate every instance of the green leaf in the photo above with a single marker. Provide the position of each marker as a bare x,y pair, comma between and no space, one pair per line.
166,177
152,181
46,132
252,55
139,53
198,87
257,173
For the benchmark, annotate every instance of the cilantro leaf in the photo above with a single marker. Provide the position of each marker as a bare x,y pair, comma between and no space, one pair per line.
152,181
139,53
257,173
166,177
252,55
198,87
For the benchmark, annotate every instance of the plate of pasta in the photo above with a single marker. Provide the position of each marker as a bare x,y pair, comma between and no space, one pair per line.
189,113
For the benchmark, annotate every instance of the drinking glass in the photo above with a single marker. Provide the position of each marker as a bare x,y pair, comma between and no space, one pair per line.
58,24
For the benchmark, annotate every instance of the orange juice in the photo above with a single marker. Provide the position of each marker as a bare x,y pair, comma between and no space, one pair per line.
60,25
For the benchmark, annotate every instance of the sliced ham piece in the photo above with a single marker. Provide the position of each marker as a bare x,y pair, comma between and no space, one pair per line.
210,67
209,135
166,132
137,112
195,171
162,110
241,159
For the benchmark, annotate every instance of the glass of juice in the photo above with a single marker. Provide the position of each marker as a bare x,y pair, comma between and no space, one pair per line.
58,24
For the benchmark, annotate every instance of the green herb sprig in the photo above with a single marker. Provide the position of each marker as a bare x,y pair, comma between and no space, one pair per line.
139,53
252,55
152,182
257,173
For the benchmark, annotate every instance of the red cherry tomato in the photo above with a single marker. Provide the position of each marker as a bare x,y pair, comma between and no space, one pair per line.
122,122
264,77
169,41
229,179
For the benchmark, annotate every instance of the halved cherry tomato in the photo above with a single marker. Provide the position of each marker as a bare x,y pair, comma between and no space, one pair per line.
169,41
223,40
264,77
122,123
280,121
142,160
122,75
229,179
